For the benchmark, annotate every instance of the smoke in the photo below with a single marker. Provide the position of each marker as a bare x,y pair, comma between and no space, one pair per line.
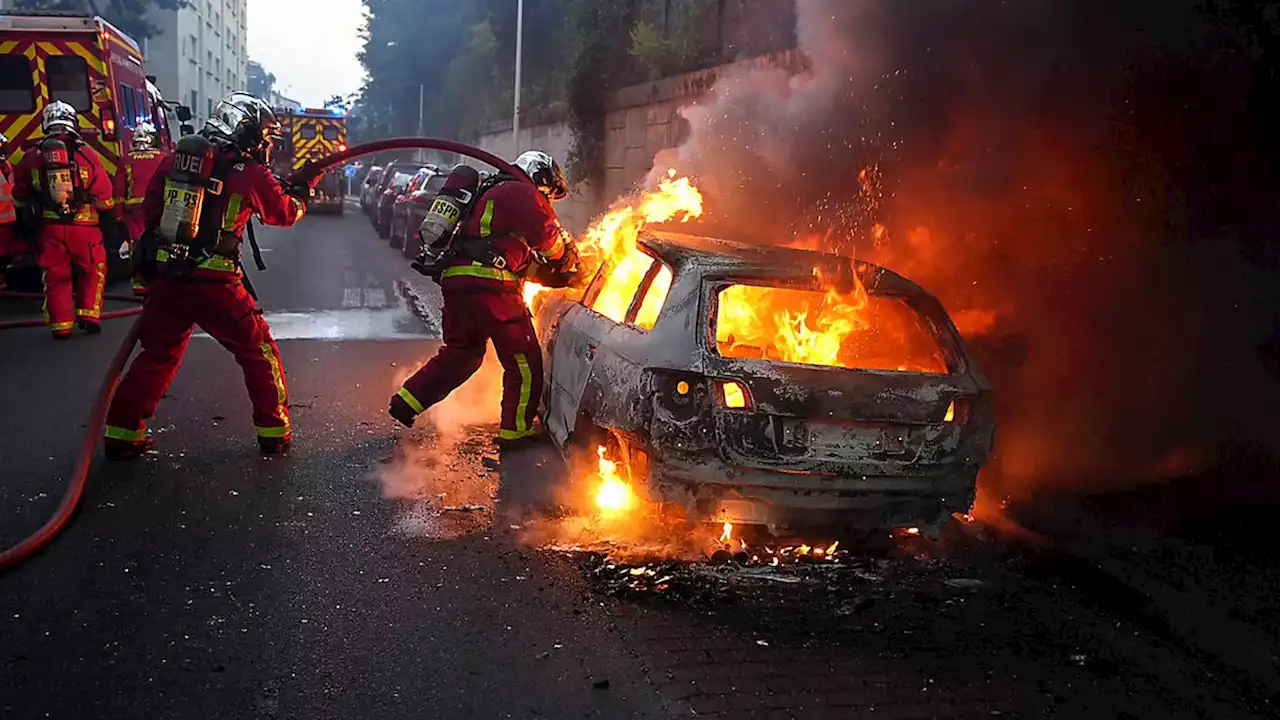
1068,177
429,465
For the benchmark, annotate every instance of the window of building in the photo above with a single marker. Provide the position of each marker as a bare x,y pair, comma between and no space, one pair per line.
68,78
210,102
17,92
195,101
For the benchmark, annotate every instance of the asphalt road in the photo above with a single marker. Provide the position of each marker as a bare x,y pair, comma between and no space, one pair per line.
375,573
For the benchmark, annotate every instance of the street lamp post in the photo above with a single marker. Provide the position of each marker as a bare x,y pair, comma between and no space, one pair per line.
515,116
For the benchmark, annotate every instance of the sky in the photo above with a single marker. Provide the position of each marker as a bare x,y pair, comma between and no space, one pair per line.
310,46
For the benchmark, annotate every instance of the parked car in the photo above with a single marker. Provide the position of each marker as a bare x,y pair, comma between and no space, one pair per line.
367,187
395,184
397,208
677,361
410,211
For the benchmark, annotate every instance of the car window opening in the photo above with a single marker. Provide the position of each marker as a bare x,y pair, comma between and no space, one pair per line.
330,133
68,80
814,327
17,91
655,296
625,275
307,131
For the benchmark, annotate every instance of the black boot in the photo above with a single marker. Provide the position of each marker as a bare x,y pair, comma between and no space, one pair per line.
401,411
272,446
125,450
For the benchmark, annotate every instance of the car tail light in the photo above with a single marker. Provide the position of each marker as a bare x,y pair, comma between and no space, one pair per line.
342,147
680,396
733,395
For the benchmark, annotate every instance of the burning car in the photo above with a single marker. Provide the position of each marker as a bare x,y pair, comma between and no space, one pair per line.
770,386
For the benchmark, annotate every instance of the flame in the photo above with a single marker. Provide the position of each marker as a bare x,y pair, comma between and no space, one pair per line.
613,495
727,534
531,291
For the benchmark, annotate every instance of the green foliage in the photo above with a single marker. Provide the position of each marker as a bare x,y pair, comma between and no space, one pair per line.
598,70
128,15
679,48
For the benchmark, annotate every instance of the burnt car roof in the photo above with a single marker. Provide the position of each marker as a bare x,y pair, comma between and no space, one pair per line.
718,258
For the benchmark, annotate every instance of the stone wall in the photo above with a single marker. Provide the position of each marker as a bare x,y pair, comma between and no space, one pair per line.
640,121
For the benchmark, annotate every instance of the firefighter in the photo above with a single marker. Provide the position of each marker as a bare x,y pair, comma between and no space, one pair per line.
131,182
11,242
196,211
509,228
65,193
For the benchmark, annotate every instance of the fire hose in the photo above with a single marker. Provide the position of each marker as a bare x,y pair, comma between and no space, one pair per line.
308,173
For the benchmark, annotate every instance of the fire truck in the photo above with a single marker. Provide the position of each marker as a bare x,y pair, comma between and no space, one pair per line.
310,134
84,61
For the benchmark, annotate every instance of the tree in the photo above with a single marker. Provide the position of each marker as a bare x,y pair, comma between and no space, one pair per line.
258,80
128,15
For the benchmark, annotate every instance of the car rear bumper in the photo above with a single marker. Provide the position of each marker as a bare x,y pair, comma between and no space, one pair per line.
718,491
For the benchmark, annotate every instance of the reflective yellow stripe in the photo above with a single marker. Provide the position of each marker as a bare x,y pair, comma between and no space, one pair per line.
218,262
277,377
526,389
90,314
134,201
475,269
272,432
514,434
486,220
162,256
233,212
119,433
61,327
411,401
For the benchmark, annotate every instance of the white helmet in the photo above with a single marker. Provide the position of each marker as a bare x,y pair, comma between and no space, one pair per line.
59,117
545,172
145,136
4,147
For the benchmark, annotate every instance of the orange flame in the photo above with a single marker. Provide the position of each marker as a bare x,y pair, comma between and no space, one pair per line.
727,534
613,495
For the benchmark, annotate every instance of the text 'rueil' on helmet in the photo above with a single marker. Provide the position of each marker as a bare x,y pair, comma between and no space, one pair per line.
247,122
545,172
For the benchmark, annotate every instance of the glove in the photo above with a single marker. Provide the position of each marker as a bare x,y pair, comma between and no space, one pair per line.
110,230
123,252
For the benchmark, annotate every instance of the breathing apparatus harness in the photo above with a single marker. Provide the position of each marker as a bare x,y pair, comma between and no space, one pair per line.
64,182
442,241
185,237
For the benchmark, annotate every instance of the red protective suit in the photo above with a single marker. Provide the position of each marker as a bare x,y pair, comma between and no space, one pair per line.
483,303
213,297
69,245
10,244
133,177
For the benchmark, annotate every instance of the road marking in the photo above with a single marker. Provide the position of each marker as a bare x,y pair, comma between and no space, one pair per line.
352,298
353,324
373,298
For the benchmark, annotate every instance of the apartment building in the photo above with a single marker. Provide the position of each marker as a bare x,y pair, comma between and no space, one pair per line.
200,54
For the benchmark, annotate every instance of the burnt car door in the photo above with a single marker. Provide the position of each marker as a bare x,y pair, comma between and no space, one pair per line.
601,337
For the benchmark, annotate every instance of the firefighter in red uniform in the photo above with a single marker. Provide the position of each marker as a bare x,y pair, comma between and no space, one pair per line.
197,208
511,227
64,190
132,180
11,242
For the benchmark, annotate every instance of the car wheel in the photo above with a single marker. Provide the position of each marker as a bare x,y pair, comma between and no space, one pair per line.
384,229
410,246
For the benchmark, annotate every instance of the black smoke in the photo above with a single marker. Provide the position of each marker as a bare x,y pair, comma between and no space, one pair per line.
1095,175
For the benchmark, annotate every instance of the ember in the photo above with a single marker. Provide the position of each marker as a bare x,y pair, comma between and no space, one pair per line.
739,552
